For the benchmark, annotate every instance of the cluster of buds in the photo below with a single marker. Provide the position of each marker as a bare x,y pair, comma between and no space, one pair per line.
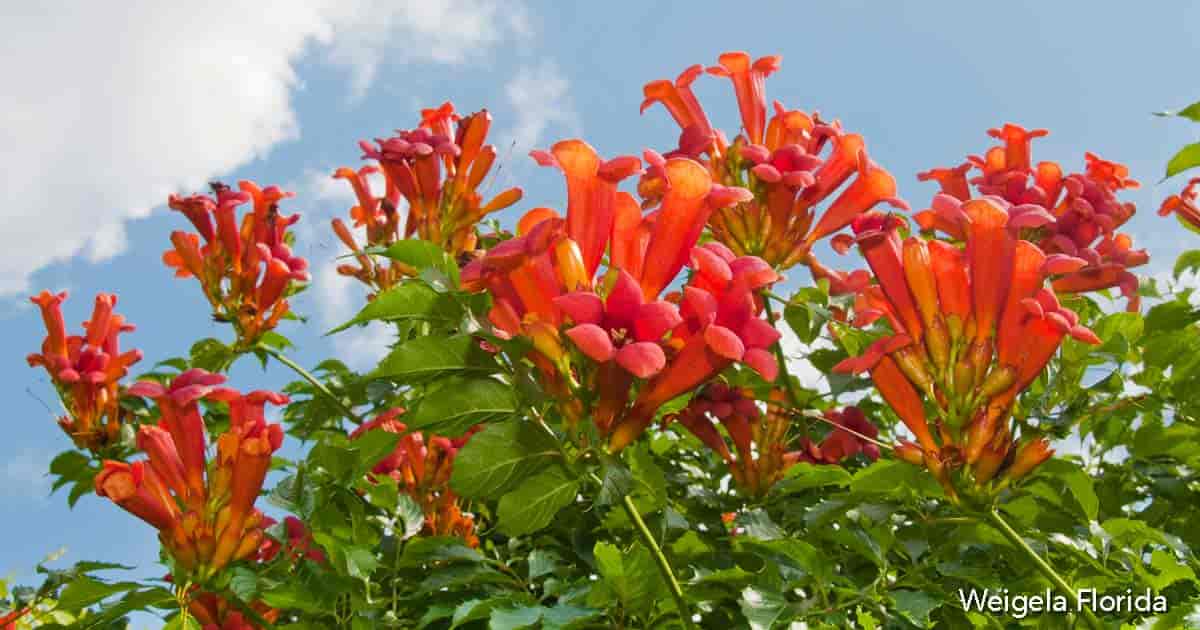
296,542
438,168
1077,214
1184,205
757,459
422,469
969,332
782,161
546,285
204,511
228,262
216,613
852,434
86,369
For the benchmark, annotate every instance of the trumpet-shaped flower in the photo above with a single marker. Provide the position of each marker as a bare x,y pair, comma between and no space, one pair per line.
1184,205
421,466
1076,214
245,267
216,613
204,511
86,369
970,330
437,169
781,158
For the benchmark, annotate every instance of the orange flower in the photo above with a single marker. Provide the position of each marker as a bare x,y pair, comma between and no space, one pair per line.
969,333
86,369
1073,215
422,467
204,511
1184,205
779,159
227,263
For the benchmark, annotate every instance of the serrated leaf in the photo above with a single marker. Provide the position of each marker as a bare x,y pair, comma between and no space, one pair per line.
459,403
429,356
500,456
534,503
804,476
422,255
632,575
763,609
915,606
410,300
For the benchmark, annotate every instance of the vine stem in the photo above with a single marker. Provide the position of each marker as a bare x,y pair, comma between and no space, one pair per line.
664,567
314,381
784,376
997,521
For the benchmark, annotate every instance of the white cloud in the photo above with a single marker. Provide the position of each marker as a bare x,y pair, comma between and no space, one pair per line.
112,108
539,96
796,353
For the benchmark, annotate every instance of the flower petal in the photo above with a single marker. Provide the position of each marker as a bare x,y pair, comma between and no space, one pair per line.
642,359
724,342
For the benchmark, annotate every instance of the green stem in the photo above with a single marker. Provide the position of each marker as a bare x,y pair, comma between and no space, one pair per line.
664,567
788,384
314,381
997,521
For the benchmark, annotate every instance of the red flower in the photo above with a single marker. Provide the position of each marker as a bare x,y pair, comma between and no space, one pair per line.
422,467
1184,205
779,160
437,168
227,263
204,511
970,330
1075,215
86,369
216,613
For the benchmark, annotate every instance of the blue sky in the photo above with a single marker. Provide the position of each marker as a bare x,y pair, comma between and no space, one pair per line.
102,126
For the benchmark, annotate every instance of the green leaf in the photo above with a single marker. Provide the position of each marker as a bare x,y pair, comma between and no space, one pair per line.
1168,570
615,482
805,476
423,255
543,562
565,616
429,356
86,591
514,618
535,502
180,622
371,447
1187,261
1077,481
887,476
915,606
499,457
631,575
411,300
295,595
758,524
1191,112
763,609
459,403
426,549
1188,157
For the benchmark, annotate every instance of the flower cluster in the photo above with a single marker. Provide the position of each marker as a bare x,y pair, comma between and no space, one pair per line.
438,168
790,162
970,330
850,436
215,613
246,271
86,369
545,284
422,469
297,542
204,511
1076,214
1184,205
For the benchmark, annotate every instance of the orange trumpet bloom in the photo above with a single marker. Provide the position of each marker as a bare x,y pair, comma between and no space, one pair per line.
86,369
1074,215
778,158
970,333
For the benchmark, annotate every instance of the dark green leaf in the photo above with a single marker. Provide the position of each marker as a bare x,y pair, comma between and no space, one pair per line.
408,301
535,502
915,606
763,609
429,356
632,575
461,402
499,457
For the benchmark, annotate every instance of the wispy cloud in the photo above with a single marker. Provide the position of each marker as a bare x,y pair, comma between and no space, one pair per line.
540,97
103,127
24,475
